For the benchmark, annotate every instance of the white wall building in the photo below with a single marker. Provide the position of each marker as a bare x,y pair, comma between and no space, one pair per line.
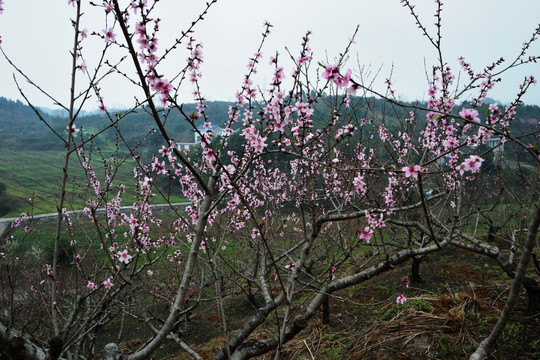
201,129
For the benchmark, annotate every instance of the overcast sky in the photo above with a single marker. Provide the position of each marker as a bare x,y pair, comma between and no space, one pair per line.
37,36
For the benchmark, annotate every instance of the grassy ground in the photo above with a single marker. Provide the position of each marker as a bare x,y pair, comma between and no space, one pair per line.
28,173
37,175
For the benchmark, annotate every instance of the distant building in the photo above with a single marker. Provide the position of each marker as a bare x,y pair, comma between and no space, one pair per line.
494,143
216,129
201,129
185,146
498,147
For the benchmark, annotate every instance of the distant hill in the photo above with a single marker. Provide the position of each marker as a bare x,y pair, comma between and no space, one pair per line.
21,128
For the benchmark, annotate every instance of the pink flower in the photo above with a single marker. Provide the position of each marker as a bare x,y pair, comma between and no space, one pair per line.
353,88
470,114
290,265
108,284
412,171
366,235
133,222
344,80
82,66
473,163
124,257
73,130
109,7
146,182
102,107
258,144
405,281
159,167
230,168
163,86
401,299
461,168
109,35
91,286
331,72
48,269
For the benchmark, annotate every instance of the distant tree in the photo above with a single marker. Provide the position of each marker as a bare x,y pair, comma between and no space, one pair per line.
6,204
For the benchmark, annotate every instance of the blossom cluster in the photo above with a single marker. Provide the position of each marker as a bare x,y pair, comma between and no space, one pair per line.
332,73
412,171
470,114
471,164
256,141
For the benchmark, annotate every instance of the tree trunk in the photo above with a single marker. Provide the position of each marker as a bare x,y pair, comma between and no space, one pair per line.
113,352
415,270
326,310
533,294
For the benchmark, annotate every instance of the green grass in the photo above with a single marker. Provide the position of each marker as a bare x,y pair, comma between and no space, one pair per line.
38,174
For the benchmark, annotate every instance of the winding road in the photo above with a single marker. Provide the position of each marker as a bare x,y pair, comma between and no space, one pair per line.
6,222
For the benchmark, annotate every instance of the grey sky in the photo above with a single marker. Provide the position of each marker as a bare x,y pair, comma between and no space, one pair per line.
37,36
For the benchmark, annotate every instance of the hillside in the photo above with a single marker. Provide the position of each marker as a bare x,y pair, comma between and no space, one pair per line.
21,128
31,155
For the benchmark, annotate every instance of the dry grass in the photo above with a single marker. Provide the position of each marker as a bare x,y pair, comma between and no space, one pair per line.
433,324
413,333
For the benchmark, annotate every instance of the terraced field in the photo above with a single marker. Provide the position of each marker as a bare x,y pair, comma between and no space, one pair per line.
32,179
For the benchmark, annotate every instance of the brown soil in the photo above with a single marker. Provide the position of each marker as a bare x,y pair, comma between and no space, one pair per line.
445,317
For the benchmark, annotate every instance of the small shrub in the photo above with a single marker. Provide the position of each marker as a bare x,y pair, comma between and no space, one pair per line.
419,304
391,313
334,353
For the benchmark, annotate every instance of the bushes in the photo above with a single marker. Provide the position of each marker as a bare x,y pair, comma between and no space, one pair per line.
41,242
7,202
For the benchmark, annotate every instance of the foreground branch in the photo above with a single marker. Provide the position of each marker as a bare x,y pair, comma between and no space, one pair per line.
488,344
252,348
15,346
